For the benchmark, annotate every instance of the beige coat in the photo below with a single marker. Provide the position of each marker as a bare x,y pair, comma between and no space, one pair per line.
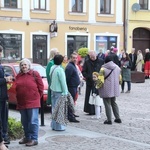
139,62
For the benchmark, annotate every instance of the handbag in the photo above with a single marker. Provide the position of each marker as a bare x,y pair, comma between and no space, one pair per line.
101,79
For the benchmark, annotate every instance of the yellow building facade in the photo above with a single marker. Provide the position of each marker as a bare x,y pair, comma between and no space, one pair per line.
26,27
137,25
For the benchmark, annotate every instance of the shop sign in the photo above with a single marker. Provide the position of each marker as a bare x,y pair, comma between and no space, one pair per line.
78,28
53,34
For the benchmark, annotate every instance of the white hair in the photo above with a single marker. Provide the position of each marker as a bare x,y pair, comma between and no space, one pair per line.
53,52
26,61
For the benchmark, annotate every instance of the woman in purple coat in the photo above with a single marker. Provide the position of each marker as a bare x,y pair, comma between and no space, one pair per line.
110,90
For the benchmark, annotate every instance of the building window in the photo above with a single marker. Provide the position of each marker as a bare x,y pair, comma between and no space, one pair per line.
40,4
105,42
105,6
10,3
143,4
77,5
12,45
75,42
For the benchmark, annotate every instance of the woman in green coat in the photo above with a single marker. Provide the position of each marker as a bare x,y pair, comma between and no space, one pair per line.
126,72
53,52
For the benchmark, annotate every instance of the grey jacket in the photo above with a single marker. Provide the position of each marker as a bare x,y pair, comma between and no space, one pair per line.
111,87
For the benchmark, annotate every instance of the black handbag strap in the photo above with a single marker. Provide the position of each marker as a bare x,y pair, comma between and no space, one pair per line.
109,74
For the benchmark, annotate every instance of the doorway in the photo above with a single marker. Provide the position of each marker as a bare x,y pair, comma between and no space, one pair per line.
141,39
40,49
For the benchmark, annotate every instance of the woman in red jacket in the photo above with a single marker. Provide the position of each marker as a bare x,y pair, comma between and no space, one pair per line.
29,89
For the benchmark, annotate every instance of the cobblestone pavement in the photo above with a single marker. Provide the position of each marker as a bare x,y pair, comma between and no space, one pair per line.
89,134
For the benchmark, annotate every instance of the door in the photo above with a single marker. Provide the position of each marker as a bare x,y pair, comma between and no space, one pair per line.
40,49
141,39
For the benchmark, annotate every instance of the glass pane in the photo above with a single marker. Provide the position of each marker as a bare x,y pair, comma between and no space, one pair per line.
74,6
107,6
80,5
12,44
101,43
36,4
43,4
7,3
102,6
80,45
81,38
14,3
143,4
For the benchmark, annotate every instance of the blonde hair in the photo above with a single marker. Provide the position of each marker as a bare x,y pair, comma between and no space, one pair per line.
95,73
26,61
53,52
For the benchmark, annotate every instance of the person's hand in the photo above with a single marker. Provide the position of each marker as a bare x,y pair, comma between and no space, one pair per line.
9,78
124,66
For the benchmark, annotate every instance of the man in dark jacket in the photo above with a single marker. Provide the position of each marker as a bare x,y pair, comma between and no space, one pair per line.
3,102
73,81
93,64
114,56
133,58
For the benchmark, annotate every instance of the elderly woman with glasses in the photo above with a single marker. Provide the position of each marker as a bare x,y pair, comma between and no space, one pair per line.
29,90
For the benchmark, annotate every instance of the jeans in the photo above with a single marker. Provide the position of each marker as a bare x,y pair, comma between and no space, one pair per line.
128,84
4,118
30,122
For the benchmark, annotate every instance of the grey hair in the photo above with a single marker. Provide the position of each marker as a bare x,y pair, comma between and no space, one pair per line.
27,61
53,52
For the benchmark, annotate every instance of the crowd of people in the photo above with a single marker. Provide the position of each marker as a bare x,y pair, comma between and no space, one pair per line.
65,77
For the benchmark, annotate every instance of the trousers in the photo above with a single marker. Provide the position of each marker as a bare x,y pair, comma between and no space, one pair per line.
111,105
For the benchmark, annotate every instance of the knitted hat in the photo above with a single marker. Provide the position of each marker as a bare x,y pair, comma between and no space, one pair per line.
115,49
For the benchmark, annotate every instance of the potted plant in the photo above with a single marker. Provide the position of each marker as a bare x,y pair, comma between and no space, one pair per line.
83,52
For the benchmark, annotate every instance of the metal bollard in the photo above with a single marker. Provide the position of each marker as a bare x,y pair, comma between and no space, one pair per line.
42,112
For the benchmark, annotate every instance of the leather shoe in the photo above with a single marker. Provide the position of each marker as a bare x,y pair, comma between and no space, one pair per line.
23,141
107,122
74,120
6,140
32,143
118,121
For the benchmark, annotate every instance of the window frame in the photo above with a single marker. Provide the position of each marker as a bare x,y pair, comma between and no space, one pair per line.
143,3
77,13
105,5
39,3
10,4
112,8
10,54
47,10
77,5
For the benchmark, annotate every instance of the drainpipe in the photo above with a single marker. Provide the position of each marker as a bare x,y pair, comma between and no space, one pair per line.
126,19
124,24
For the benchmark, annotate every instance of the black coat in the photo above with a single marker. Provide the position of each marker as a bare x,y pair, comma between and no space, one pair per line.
114,58
89,67
3,85
147,57
133,61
